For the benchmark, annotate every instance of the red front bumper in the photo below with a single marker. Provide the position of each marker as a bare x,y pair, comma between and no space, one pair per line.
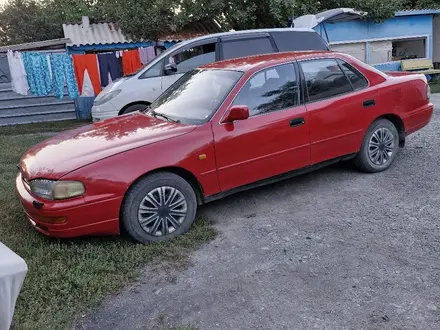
82,218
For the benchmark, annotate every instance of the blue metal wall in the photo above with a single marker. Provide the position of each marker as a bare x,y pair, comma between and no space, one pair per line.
367,30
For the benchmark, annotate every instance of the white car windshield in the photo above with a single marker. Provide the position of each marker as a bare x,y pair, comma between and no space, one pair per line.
195,97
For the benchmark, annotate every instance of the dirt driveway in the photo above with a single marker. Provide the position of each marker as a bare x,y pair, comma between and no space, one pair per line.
334,249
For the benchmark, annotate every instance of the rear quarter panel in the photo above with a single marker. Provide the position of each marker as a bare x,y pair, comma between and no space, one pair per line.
412,104
403,94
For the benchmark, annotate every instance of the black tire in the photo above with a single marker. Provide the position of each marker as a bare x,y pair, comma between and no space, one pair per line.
136,195
364,161
133,108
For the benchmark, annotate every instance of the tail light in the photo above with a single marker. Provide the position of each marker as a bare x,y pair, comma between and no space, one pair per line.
428,88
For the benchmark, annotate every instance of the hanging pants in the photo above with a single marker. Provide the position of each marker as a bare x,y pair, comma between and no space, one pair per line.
38,73
62,71
119,66
108,64
87,62
131,61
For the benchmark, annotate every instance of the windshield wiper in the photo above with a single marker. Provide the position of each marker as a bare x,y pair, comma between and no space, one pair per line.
157,114
146,109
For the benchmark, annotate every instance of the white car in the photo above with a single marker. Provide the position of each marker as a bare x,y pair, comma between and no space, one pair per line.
135,92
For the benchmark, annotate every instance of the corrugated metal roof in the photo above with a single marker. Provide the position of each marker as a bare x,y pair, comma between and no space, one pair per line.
110,33
99,33
410,12
37,45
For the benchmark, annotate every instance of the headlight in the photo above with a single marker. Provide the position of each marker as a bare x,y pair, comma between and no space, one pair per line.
52,190
106,97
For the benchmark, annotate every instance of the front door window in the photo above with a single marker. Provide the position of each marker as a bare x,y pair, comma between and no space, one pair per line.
194,57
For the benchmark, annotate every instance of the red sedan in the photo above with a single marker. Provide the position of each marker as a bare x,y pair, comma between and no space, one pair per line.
220,129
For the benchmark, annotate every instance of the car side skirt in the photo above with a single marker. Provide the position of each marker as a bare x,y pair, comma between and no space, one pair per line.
277,178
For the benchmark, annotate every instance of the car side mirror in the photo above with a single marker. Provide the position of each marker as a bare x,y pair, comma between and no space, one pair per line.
170,69
236,112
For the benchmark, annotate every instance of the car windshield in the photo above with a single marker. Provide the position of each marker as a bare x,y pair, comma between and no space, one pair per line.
195,97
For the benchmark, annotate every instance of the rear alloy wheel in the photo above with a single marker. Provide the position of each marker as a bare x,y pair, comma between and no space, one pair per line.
379,148
159,207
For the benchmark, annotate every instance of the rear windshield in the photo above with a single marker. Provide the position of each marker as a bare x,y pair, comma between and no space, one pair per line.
196,96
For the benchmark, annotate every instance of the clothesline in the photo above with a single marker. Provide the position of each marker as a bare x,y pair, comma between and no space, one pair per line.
86,74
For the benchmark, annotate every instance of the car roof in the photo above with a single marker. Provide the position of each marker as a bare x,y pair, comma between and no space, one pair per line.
266,60
243,32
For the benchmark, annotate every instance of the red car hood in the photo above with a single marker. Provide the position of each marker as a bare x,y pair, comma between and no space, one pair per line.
73,149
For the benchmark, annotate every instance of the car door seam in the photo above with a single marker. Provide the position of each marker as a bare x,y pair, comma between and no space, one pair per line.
337,137
307,145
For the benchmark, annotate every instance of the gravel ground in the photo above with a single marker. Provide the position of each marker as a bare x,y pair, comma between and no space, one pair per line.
333,249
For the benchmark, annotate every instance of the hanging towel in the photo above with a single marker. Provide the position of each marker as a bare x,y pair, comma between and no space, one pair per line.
108,65
87,62
87,90
18,73
151,53
37,73
147,54
143,55
62,71
131,61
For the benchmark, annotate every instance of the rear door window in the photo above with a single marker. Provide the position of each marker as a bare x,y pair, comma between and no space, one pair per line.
246,47
324,79
298,40
356,78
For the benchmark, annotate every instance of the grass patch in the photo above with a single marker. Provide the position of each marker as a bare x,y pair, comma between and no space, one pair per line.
56,126
67,277
435,87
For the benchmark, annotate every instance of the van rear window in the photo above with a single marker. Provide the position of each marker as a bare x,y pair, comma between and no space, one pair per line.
298,40
246,47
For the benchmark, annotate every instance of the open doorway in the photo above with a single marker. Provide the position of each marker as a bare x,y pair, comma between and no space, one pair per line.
409,49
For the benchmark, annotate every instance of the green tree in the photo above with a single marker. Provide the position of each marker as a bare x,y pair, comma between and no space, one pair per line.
21,21
141,19
31,20
377,9
34,20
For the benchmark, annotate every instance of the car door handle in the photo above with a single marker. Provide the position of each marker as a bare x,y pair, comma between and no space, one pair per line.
297,122
369,103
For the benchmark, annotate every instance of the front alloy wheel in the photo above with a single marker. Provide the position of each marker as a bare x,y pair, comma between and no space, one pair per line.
159,207
162,211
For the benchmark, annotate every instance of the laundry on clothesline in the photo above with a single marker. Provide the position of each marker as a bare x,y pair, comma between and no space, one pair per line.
41,73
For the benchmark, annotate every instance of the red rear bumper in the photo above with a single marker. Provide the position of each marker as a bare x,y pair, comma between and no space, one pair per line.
99,218
418,118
